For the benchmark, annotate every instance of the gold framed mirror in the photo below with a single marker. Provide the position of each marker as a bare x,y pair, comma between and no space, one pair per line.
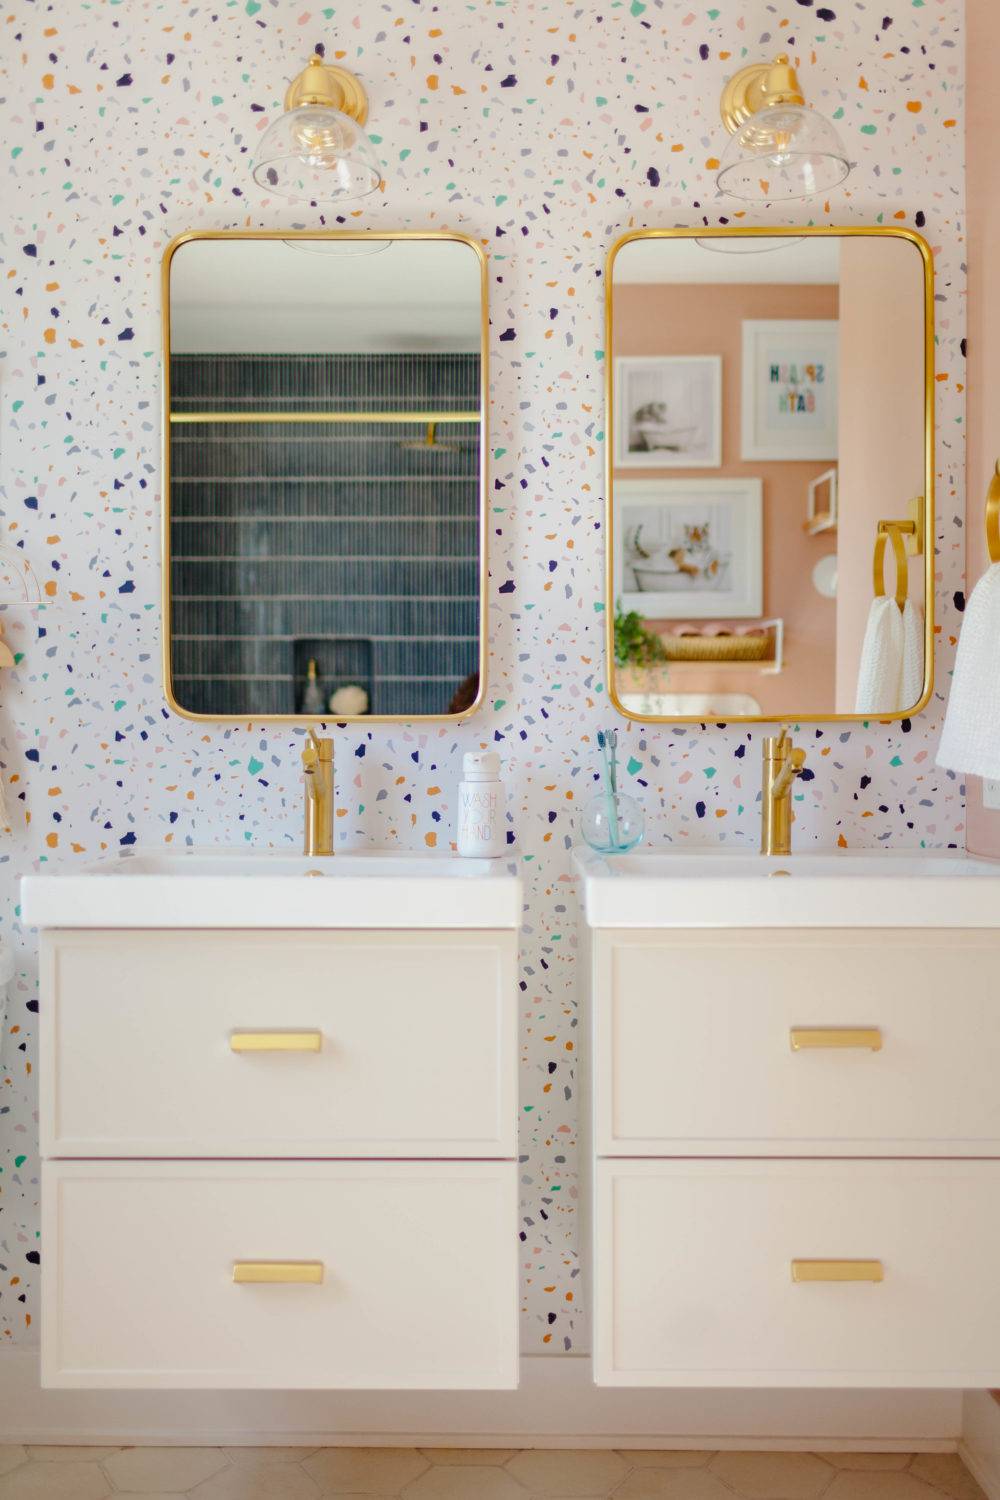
770,474
324,462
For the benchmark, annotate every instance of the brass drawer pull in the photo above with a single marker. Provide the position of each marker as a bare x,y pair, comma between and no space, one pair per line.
808,1038
276,1041
274,1272
837,1270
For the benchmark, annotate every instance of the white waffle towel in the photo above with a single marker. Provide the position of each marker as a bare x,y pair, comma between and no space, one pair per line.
971,738
881,673
912,686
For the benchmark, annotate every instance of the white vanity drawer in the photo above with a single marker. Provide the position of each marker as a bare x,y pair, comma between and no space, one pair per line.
416,1034
418,1290
694,1281
693,1051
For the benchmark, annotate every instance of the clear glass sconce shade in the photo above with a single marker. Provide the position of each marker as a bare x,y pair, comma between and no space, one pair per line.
784,151
317,153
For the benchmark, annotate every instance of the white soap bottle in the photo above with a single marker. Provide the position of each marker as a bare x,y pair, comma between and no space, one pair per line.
482,800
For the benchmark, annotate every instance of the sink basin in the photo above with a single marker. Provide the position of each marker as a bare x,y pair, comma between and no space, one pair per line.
273,888
724,888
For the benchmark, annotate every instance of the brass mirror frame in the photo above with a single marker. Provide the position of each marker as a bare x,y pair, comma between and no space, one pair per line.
813,232
484,386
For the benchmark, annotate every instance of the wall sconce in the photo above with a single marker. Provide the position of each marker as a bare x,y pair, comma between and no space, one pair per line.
318,149
779,149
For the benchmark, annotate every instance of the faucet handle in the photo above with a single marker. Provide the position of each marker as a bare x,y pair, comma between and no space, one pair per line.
797,757
319,748
776,746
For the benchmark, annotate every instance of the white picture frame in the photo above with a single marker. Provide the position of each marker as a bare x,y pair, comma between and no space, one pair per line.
668,411
821,504
665,528
789,389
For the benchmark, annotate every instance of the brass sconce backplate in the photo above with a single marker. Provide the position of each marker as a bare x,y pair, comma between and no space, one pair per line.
326,83
756,86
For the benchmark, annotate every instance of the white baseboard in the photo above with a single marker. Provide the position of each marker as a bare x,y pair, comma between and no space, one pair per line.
557,1405
980,1442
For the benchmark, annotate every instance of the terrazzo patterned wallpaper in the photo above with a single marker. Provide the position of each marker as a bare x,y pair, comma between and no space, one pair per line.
546,128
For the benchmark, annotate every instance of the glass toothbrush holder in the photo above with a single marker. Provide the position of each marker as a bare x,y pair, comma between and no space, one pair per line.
613,824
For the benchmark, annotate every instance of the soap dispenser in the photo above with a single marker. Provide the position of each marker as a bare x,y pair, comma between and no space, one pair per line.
481,806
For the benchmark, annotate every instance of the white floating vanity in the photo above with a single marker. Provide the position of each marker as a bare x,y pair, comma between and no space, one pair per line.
278,1116
796,1119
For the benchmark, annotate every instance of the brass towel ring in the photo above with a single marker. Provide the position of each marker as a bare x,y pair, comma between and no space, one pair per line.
993,516
899,553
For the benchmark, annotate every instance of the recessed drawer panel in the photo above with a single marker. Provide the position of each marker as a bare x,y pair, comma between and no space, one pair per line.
833,1273
781,1043
399,1275
278,1044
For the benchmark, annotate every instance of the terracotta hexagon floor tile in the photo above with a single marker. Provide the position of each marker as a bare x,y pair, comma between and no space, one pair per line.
146,1470
54,1454
68,1481
871,1461
496,1457
277,1480
672,1484
269,1455
774,1476
365,1471
464,1482
568,1471
867,1486
947,1472
667,1458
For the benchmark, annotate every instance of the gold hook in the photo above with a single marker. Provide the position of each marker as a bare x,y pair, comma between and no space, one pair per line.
886,530
993,515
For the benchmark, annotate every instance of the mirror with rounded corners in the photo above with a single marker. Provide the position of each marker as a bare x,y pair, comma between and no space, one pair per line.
770,474
324,460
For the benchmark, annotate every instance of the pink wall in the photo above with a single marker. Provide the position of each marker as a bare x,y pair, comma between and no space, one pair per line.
881,428
983,430
692,319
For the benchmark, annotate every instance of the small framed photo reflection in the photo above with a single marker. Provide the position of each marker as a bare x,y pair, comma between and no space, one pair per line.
821,506
689,549
668,412
789,408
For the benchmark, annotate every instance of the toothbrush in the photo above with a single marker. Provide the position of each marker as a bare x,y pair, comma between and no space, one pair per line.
612,739
607,741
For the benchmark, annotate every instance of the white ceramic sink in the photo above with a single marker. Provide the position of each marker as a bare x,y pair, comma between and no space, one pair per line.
723,888
270,888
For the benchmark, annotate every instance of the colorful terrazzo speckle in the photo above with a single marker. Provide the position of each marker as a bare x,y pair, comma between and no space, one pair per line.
546,129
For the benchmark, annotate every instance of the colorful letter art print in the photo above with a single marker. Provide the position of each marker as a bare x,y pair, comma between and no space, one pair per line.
790,374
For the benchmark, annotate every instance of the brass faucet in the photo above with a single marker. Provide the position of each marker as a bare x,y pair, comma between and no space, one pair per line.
783,761
317,767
